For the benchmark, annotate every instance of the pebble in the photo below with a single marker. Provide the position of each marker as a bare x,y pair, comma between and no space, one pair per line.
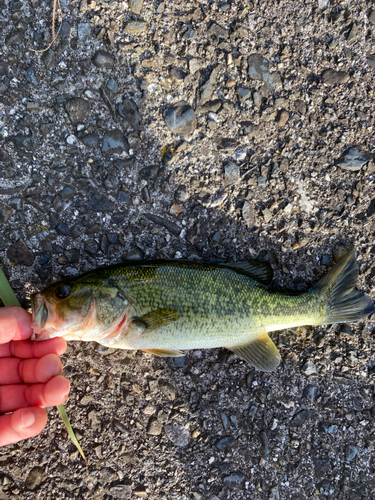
352,160
261,181
208,88
181,119
99,203
231,173
64,31
267,214
154,427
121,491
210,106
91,140
194,65
78,109
235,480
30,76
251,129
134,254
370,59
111,85
103,59
239,155
275,495
225,420
325,260
135,27
5,213
168,155
23,143
175,209
181,195
148,173
72,255
189,34
167,389
282,117
264,442
177,362
351,452
329,428
84,31
259,68
311,392
177,75
63,229
34,478
14,38
170,226
333,77
300,106
215,199
115,142
248,213
352,35
122,196
15,202
302,417
309,368
225,443
19,254
135,6
217,32
226,143
177,434
243,92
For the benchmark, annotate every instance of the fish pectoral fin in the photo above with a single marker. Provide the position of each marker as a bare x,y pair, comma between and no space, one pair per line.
256,269
164,353
157,319
260,353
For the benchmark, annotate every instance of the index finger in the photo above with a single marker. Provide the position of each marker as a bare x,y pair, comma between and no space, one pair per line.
29,349
15,324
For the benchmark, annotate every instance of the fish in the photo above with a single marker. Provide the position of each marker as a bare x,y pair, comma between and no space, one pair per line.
164,307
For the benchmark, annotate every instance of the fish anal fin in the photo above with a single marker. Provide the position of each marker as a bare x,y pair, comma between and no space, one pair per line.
164,353
260,353
256,269
157,319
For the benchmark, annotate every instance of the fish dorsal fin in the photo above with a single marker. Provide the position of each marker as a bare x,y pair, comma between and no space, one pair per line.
165,353
260,353
255,269
157,319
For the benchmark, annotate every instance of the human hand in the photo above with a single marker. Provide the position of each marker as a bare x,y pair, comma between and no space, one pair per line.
30,377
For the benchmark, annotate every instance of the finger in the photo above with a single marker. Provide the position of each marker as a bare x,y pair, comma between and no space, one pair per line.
15,323
28,349
22,424
29,371
52,393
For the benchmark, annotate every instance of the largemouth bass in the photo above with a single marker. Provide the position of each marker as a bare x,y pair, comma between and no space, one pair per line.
163,307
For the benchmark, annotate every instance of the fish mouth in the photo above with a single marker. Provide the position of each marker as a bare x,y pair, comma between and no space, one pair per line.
41,312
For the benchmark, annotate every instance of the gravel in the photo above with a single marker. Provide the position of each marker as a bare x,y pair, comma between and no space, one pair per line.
215,132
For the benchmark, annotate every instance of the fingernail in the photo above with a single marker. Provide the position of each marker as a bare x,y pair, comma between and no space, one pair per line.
27,419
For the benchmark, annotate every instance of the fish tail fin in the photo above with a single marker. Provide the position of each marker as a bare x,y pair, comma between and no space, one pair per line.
345,302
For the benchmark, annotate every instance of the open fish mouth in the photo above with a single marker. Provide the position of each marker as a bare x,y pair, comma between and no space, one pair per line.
41,313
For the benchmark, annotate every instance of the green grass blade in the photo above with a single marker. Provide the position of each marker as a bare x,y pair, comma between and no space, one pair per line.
8,297
65,418
6,292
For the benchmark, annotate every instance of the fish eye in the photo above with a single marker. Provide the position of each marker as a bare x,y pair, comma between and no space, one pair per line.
62,291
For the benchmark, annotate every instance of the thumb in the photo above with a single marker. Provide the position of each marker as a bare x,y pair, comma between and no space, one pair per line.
22,424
